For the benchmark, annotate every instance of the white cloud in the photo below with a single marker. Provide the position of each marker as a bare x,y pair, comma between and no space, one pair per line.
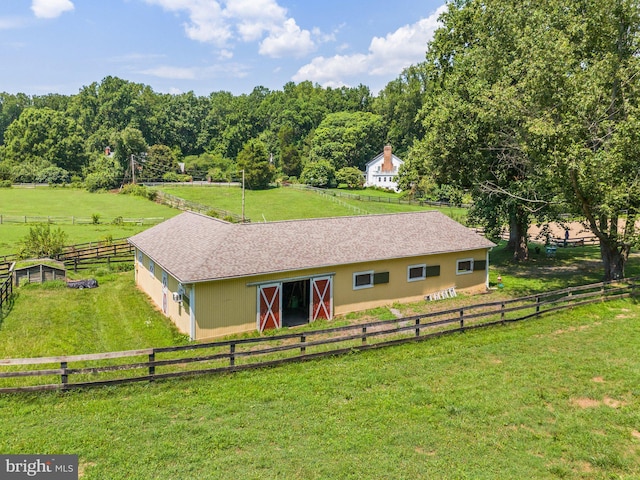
50,8
7,23
219,22
206,23
174,73
387,56
287,41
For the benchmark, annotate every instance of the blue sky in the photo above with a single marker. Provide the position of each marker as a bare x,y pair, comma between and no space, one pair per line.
58,46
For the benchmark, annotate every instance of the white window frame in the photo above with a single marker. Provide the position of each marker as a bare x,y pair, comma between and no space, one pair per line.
152,268
417,279
464,272
360,287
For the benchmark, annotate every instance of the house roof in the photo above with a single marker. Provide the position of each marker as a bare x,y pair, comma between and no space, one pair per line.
381,157
195,248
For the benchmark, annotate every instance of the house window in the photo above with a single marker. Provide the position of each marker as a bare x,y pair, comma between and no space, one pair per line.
464,266
140,258
416,272
152,268
362,280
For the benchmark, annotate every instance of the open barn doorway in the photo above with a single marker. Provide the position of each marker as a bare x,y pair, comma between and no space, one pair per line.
295,303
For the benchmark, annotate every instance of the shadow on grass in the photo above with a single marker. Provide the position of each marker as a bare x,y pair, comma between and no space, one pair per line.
6,308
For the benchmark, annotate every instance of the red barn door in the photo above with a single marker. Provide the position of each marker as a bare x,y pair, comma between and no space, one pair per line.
269,306
321,298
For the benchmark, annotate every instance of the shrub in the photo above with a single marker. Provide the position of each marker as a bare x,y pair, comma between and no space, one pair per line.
95,218
352,176
319,174
42,242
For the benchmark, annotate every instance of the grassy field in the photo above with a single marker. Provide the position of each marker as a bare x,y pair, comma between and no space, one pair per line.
554,397
551,398
44,201
289,203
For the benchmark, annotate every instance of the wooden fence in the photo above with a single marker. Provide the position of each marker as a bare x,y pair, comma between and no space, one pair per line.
6,287
82,257
182,204
149,364
73,220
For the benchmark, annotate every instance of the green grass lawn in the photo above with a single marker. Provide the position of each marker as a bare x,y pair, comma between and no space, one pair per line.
290,203
44,201
58,320
555,397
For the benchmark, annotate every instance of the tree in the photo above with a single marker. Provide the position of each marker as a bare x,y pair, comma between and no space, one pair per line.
104,172
348,139
536,109
159,160
42,242
320,174
126,143
45,134
351,176
254,160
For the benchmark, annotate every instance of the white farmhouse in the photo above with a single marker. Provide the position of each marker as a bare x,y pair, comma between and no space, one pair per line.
382,170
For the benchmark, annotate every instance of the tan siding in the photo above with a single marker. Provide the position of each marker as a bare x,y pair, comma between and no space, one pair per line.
229,306
152,286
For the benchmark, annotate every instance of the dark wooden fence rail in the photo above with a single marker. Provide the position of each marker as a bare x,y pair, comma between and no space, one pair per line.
183,204
150,364
6,286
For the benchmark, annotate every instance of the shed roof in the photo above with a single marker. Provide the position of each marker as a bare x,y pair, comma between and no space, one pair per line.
195,248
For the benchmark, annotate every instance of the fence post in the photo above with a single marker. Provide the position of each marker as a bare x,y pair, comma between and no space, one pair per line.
232,354
502,312
417,327
303,339
537,304
364,335
462,318
152,368
64,377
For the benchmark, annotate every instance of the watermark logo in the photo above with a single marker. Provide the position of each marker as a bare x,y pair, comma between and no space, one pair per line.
45,467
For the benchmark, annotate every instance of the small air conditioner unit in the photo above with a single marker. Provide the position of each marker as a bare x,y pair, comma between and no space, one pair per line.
177,297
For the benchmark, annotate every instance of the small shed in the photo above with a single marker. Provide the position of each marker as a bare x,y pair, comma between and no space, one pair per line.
39,270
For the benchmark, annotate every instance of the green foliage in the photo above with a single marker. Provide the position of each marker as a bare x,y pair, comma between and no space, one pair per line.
139,191
42,241
320,174
254,160
348,139
103,173
95,218
351,176
159,161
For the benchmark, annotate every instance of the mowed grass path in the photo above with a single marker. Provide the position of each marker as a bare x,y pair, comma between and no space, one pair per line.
555,397
44,201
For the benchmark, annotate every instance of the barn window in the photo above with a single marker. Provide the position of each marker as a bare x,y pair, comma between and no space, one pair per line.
464,266
140,257
362,280
152,268
416,272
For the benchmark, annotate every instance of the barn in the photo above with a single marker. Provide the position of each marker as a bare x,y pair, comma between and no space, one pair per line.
215,278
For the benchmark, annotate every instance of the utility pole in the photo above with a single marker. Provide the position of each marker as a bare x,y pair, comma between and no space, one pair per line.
242,195
133,169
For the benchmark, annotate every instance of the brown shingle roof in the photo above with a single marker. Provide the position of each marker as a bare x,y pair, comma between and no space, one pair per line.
195,248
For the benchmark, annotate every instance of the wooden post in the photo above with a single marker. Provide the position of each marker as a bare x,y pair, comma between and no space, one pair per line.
537,304
502,313
364,335
303,339
152,368
232,356
417,327
64,376
462,318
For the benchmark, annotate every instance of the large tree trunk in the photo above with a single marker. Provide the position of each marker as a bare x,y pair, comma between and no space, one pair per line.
518,234
614,259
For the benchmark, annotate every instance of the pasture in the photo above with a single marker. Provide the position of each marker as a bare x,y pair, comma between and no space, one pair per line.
68,202
554,397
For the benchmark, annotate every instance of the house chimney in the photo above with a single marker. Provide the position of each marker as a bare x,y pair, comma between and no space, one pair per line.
387,165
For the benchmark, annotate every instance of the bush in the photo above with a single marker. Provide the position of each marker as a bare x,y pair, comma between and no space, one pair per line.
42,242
6,183
139,191
52,175
319,174
352,176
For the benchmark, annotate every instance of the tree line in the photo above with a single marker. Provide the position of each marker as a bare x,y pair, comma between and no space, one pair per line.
530,107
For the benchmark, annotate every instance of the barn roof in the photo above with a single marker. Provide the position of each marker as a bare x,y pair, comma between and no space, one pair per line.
195,248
